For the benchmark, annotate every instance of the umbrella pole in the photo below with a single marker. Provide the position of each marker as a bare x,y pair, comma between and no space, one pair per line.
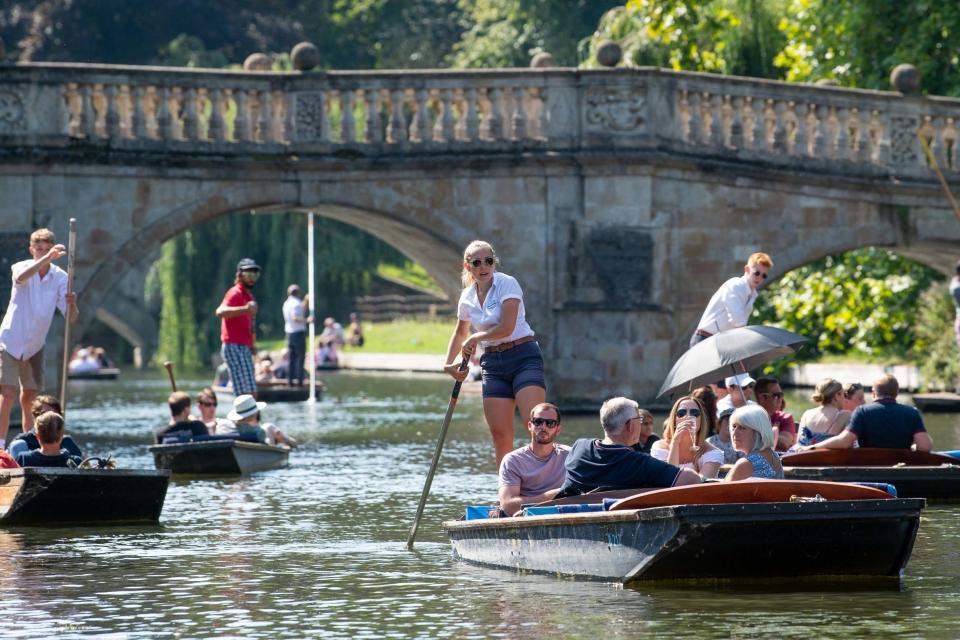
743,396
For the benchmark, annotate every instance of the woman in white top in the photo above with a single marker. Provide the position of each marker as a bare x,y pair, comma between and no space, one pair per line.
684,442
827,420
490,314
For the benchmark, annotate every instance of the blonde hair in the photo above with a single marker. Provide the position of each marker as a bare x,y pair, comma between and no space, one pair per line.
754,417
826,390
760,258
43,235
466,276
670,425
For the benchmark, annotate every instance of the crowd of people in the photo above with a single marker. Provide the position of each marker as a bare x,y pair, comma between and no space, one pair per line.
242,422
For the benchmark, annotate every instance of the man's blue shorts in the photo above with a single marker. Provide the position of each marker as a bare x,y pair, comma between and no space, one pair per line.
506,372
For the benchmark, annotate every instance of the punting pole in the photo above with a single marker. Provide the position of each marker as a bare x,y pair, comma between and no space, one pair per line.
311,352
71,250
436,455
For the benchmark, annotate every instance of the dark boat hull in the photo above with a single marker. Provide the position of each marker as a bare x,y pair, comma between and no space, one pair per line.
937,484
274,393
108,373
867,539
54,496
937,402
219,457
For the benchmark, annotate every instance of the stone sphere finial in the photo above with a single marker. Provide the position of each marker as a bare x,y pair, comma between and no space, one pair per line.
609,53
905,78
305,56
543,60
257,62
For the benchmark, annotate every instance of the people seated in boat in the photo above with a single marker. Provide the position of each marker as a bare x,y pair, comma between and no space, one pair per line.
334,331
207,401
245,417
647,436
826,420
182,426
852,396
883,423
613,463
83,361
327,351
49,428
752,435
264,370
534,473
27,441
103,361
739,392
721,439
684,442
281,367
770,396
355,331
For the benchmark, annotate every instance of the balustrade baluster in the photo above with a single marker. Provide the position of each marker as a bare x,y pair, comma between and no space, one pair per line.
217,131
694,123
758,134
138,118
820,148
843,133
372,127
472,120
801,141
164,121
884,157
348,128
66,113
443,131
242,127
263,116
519,121
397,127
112,119
191,122
780,127
494,120
543,120
736,122
278,117
864,151
716,120
420,125
88,115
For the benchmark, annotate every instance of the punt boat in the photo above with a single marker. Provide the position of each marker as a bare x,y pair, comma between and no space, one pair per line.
788,530
937,402
106,373
59,496
218,457
915,474
273,392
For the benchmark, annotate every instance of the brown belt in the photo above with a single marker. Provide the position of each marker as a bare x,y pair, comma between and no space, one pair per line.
701,332
504,346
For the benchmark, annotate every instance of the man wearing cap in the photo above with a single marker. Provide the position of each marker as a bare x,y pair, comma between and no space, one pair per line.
236,313
39,289
295,320
739,392
731,305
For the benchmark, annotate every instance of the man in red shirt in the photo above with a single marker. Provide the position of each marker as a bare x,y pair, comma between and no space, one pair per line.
770,397
236,313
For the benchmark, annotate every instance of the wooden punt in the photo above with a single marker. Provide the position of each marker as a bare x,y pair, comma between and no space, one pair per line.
106,373
792,528
915,474
219,457
273,392
937,402
58,496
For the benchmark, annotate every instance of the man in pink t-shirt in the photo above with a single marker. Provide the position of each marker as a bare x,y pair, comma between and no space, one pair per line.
237,312
534,473
770,397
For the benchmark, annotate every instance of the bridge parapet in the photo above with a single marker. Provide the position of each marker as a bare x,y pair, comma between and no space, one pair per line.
383,113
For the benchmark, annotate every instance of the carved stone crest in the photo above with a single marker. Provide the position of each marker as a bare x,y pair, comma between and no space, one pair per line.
12,114
616,109
309,112
623,260
903,139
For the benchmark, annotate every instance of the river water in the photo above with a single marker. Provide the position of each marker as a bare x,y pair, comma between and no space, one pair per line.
318,549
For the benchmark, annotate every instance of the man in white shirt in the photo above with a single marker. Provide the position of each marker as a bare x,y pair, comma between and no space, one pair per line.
534,473
295,322
39,289
731,305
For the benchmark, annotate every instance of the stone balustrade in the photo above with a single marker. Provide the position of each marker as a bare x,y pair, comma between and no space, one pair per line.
173,110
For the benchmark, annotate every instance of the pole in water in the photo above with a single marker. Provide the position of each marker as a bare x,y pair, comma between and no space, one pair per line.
311,353
71,251
436,455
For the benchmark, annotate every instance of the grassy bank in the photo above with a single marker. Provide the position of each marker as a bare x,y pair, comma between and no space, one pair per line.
400,336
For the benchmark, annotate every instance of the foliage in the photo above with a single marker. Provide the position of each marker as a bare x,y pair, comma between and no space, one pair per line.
722,36
508,33
863,300
410,273
935,349
858,43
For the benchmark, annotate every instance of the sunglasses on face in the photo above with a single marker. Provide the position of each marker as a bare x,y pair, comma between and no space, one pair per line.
758,273
545,422
776,395
489,261
250,274
205,403
693,413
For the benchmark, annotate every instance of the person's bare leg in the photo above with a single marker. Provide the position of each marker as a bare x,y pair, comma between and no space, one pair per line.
528,398
499,414
8,396
27,396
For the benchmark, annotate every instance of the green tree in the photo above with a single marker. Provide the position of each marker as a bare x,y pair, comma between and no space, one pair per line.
935,349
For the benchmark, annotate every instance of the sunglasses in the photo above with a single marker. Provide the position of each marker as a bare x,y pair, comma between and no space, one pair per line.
489,261
545,422
693,413
776,395
204,403
758,273
250,274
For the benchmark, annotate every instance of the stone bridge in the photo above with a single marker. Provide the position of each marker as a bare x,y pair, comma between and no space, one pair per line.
620,198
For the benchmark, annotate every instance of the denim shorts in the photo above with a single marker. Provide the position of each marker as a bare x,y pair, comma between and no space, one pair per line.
506,372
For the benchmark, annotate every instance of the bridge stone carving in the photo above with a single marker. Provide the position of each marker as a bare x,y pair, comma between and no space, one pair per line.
620,198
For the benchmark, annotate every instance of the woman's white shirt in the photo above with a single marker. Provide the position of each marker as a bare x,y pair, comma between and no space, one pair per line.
488,316
713,455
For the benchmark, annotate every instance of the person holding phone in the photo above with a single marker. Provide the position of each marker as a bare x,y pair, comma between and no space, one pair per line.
684,442
491,315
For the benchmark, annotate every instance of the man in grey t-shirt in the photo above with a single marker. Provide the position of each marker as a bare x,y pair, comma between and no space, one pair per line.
534,473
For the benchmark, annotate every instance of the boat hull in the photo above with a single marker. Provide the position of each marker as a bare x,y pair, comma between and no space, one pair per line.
937,484
108,373
219,457
273,393
55,496
937,402
867,539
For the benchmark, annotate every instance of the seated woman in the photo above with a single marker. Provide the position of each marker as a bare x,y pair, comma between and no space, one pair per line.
752,435
27,441
827,420
207,401
49,428
246,418
647,436
684,442
721,439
